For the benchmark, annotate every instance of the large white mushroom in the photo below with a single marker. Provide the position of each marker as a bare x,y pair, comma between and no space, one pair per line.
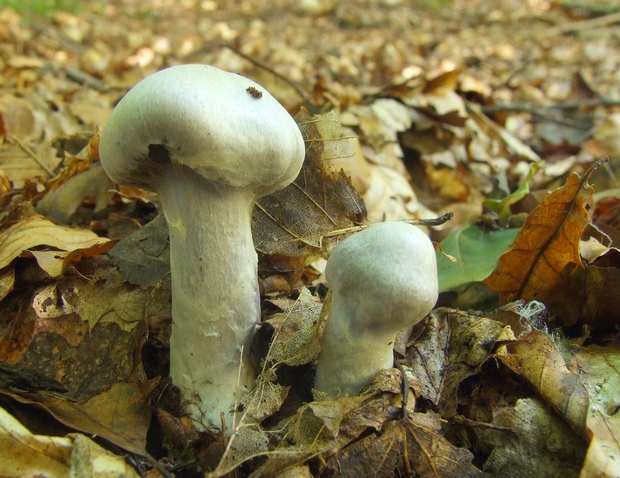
209,143
382,279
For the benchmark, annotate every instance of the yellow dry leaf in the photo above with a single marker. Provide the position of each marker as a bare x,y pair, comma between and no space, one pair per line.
7,280
27,454
543,367
35,231
599,368
37,455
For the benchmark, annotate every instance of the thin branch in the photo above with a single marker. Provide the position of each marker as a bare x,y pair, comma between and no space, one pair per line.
438,221
591,24
31,153
588,6
300,91
535,109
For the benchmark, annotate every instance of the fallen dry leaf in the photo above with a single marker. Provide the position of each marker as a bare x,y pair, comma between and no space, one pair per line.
543,367
410,447
599,368
84,181
424,102
35,231
544,263
73,349
448,349
528,428
601,310
28,454
292,221
295,342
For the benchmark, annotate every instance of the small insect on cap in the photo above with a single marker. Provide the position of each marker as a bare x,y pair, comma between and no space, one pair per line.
223,126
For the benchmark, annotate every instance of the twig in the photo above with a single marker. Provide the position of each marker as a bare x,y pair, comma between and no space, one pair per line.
405,387
438,221
528,108
591,24
58,40
31,153
300,91
461,420
157,465
384,91
83,78
211,45
588,6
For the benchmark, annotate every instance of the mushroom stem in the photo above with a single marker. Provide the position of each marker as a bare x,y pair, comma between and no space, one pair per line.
350,359
215,305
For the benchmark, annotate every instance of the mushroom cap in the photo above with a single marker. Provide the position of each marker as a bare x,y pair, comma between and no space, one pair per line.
386,276
221,125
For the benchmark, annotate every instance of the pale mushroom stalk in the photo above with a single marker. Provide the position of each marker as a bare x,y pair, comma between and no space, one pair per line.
209,143
383,279
215,297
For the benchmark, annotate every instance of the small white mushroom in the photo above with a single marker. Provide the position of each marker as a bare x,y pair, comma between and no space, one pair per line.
209,143
383,279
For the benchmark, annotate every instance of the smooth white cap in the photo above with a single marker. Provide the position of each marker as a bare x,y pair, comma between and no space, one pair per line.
389,271
221,125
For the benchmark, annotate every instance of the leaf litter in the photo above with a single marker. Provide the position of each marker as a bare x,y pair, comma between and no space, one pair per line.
418,126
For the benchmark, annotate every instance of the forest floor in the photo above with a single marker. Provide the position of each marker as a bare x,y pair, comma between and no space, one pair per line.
496,112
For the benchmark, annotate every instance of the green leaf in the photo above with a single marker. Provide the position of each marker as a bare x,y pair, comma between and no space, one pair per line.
476,252
502,206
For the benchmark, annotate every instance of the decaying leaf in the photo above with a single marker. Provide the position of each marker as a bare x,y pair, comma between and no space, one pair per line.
332,429
440,100
17,118
7,280
266,398
296,338
120,414
601,309
295,342
321,426
450,348
23,450
85,390
526,439
540,363
498,140
454,347
316,427
249,441
544,263
64,198
57,352
292,221
413,447
599,368
143,258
